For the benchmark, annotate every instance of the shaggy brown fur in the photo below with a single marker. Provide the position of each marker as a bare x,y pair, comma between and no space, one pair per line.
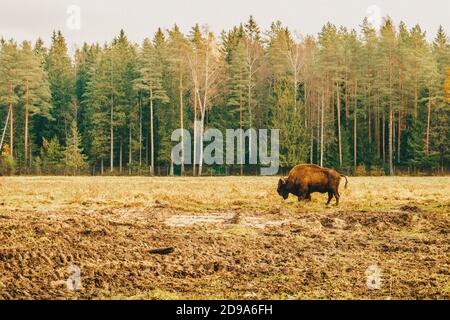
308,178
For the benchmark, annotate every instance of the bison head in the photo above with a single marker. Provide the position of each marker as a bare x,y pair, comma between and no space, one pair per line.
282,188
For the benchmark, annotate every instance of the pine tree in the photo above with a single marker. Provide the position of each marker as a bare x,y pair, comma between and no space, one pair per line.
356,71
74,159
414,148
293,137
51,155
254,54
125,97
7,162
378,98
388,52
166,113
60,73
97,100
237,84
150,80
328,68
419,51
9,83
178,47
370,44
84,62
35,88
439,133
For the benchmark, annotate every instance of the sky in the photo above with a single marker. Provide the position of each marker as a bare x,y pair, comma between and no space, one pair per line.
101,20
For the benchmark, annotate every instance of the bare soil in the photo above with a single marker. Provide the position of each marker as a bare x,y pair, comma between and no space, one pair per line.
233,250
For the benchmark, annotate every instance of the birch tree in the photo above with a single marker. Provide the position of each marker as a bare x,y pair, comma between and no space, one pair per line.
206,67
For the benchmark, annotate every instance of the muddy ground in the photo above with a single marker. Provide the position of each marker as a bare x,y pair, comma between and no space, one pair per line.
285,251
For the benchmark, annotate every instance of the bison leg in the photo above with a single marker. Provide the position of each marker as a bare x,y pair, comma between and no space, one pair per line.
330,196
303,193
337,196
306,197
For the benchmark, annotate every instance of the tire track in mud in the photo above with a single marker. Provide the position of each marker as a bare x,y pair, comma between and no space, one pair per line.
234,254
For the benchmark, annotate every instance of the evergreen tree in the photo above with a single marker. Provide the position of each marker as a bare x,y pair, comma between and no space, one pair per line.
328,67
378,99
35,90
51,155
85,59
74,159
369,48
125,98
150,81
237,86
98,101
9,84
178,48
414,148
388,53
439,117
59,68
7,162
293,137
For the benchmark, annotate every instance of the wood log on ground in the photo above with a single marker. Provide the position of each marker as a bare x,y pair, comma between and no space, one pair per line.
166,250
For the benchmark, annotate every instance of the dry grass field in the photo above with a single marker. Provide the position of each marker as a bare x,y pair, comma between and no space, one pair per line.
233,238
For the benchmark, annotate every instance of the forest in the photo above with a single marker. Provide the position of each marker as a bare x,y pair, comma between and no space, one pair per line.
364,101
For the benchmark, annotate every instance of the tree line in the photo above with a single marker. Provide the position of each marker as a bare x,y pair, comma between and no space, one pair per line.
365,101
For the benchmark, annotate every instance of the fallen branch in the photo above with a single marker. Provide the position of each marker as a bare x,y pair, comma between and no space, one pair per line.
162,250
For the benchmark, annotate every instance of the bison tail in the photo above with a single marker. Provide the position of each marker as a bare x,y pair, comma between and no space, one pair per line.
346,181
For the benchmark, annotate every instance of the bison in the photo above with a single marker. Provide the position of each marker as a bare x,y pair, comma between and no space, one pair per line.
308,178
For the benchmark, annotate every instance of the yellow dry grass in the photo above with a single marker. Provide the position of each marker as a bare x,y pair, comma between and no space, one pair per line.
214,193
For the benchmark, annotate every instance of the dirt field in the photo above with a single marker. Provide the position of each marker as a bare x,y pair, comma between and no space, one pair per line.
232,237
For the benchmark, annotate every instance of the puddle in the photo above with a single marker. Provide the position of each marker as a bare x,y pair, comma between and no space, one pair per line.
189,220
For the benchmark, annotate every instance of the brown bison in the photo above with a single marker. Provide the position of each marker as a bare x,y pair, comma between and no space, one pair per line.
308,178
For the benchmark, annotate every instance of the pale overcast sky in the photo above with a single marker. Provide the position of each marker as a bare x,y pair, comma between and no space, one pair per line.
100,20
